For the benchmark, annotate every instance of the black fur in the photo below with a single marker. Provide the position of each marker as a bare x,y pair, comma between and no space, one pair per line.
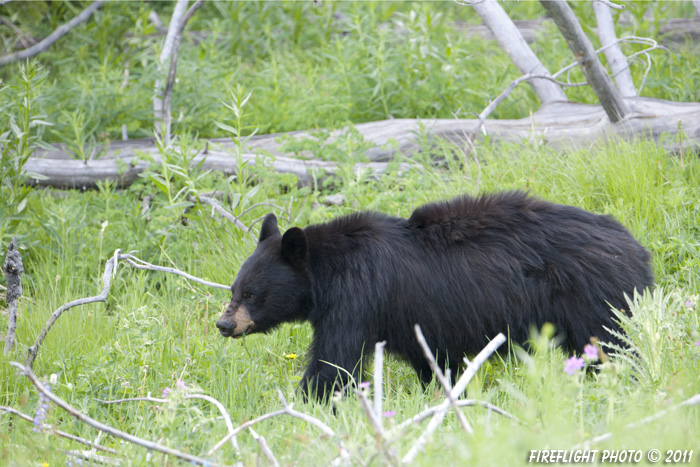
465,270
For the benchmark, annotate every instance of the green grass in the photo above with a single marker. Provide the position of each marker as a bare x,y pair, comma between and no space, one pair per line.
156,329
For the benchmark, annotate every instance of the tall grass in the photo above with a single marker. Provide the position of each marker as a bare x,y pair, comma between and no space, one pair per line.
156,329
308,66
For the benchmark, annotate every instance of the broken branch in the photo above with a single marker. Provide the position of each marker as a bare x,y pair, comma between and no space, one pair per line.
47,42
151,445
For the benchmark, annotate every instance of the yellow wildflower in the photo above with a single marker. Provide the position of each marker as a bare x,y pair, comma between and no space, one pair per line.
291,356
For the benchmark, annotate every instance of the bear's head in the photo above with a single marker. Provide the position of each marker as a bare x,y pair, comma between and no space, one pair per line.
273,285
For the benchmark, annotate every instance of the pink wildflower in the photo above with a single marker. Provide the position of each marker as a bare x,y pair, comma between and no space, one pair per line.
590,352
573,364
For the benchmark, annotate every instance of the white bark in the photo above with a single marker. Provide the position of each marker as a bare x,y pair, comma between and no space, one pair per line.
616,59
508,35
167,95
13,269
72,173
53,37
608,96
168,46
560,124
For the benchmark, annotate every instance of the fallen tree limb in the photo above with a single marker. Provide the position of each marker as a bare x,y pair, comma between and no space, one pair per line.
508,35
558,124
615,105
13,268
152,445
695,400
110,270
53,430
47,42
62,172
168,94
109,273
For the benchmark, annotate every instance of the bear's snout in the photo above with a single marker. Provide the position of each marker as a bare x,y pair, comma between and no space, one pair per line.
236,325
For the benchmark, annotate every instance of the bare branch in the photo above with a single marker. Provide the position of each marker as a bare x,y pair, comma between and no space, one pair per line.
224,413
141,264
616,59
168,45
167,97
429,412
307,418
614,6
242,427
288,410
652,45
151,445
441,378
264,448
110,270
420,443
13,269
614,105
374,417
512,41
378,380
695,400
216,206
47,42
62,434
460,386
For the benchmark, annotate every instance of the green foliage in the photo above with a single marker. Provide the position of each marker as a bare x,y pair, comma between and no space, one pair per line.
20,113
659,325
290,66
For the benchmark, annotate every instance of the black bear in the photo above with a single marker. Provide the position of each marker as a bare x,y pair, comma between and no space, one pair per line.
464,270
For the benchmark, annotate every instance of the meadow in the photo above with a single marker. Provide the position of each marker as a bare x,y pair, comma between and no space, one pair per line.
304,68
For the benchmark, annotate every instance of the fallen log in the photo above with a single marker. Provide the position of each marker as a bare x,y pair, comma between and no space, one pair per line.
64,172
559,124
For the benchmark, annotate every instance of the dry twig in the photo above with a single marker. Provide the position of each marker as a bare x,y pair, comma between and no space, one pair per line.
152,445
47,42
442,380
62,434
286,410
167,96
141,264
216,206
460,386
695,400
110,270
13,268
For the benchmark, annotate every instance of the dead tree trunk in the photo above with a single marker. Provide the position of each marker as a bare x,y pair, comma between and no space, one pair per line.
53,37
508,35
616,59
13,275
615,106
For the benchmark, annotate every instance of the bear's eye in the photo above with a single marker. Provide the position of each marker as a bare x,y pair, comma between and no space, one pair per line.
248,295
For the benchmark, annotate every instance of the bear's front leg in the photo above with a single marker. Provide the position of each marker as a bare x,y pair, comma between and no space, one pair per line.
334,362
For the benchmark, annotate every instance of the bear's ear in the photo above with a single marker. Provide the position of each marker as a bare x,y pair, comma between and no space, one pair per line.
269,227
294,247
